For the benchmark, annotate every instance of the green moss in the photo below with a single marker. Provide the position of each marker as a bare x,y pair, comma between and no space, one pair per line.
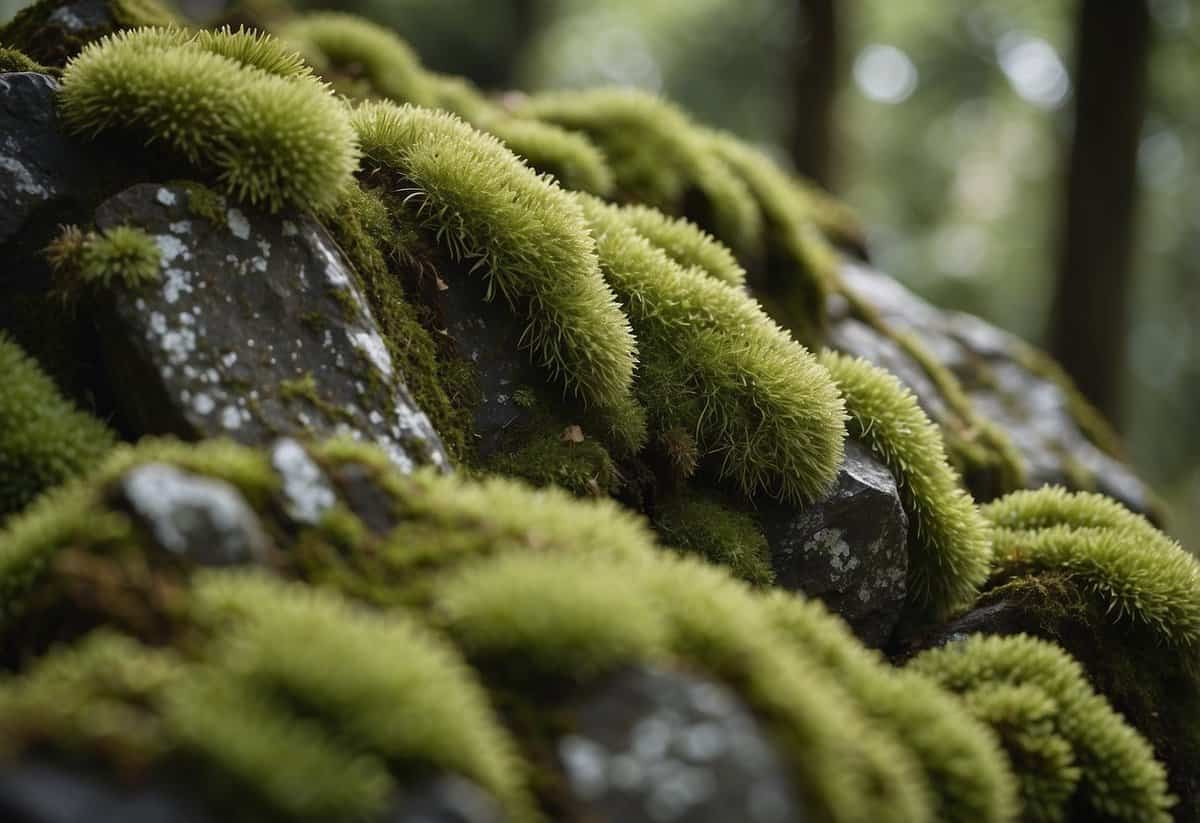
761,410
524,234
657,156
44,439
124,254
15,60
561,457
268,139
1132,570
948,545
570,157
686,243
717,533
964,767
1119,779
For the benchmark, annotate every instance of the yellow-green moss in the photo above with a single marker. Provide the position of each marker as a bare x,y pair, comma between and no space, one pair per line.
124,254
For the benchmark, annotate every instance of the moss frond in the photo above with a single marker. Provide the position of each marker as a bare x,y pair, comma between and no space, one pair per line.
686,243
728,538
949,556
657,155
965,768
268,139
1131,569
570,157
339,42
526,236
252,48
716,366
1119,779
44,439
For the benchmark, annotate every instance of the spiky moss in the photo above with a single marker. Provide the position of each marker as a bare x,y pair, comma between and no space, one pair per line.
554,456
686,243
1119,779
51,33
44,439
124,255
15,60
757,403
704,526
964,766
343,43
949,554
570,157
657,156
443,388
525,619
326,730
526,235
1133,570
269,139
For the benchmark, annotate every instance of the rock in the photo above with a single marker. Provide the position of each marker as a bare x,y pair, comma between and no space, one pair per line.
53,32
446,799
36,792
995,370
848,549
201,519
256,329
660,746
307,495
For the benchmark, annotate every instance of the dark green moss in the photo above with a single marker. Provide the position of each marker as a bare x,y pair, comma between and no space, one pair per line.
15,60
564,457
721,535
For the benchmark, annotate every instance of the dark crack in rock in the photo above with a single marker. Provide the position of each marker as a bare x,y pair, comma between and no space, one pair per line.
256,329
657,746
446,799
201,519
849,549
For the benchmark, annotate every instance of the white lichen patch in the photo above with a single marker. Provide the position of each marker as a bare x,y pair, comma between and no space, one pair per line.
238,224
22,179
831,543
306,492
372,345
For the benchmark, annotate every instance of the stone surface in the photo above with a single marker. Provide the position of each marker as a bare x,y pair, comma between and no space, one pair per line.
201,519
994,371
256,329
35,792
64,28
657,746
848,549
445,799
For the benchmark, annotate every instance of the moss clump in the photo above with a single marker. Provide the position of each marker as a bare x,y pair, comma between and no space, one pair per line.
268,139
1128,567
526,236
686,243
1118,777
563,457
657,156
719,534
124,254
758,405
44,440
570,157
14,60
949,555
964,767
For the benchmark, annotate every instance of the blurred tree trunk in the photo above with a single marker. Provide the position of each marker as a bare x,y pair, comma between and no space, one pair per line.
1090,313
817,69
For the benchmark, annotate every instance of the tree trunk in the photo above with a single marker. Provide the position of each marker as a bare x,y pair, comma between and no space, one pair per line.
1090,310
817,70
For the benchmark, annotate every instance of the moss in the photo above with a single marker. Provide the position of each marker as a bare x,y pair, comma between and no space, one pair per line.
563,457
949,556
268,139
1119,779
686,243
1089,419
522,232
1132,570
122,254
570,157
44,439
964,767
719,534
759,407
656,154
15,60
204,202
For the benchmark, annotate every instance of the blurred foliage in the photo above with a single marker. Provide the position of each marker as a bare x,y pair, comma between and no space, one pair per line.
953,124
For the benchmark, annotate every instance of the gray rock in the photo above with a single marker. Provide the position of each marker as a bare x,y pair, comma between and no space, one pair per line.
201,519
659,746
848,549
445,799
62,28
38,792
992,366
256,329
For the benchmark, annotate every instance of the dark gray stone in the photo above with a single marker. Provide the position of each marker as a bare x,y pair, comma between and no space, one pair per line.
657,746
61,28
34,792
256,329
201,519
848,549
445,799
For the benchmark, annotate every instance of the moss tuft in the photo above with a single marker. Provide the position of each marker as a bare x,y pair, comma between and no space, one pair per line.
558,457
124,254
269,139
15,60
719,534
686,243
948,547
44,440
